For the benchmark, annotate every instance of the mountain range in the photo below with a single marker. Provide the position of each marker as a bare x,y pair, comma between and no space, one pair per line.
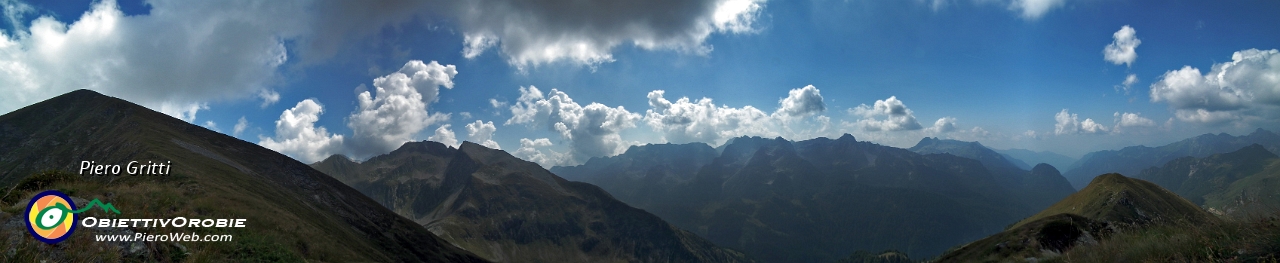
1132,160
804,201
509,210
1041,186
752,198
1224,182
1029,157
292,212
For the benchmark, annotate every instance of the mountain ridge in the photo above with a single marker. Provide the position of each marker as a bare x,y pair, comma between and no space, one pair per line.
510,210
1133,159
784,201
293,212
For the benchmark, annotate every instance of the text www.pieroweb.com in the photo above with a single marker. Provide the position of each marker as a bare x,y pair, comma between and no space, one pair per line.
176,237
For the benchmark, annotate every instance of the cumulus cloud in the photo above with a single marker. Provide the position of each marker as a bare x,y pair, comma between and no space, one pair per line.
943,125
398,111
1034,9
241,125
897,116
535,33
482,133
591,130
445,135
160,60
1122,49
1068,123
297,136
802,102
1128,83
533,151
1247,87
685,121
1132,120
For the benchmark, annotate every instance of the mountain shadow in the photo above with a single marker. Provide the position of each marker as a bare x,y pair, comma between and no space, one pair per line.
817,200
510,210
1195,178
1040,187
292,212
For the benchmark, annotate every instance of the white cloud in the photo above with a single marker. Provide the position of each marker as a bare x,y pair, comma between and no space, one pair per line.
686,121
585,33
399,110
268,97
1246,88
161,60
591,130
1206,116
211,125
1068,123
1128,83
474,44
1122,49
979,132
1089,126
1029,134
445,135
495,103
1034,9
298,137
529,150
482,133
898,116
943,125
802,102
1132,120
15,11
241,125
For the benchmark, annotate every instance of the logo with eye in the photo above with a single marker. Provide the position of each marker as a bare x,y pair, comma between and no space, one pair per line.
51,217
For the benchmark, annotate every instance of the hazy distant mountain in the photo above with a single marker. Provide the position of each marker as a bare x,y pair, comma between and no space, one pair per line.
817,200
676,164
1193,178
1039,188
510,210
1110,203
1033,157
292,212
1132,160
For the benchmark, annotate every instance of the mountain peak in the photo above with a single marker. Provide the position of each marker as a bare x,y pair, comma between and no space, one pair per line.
1114,198
1044,168
847,136
234,176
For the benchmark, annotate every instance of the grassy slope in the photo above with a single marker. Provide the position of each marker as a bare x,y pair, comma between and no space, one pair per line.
293,211
1115,198
1110,203
1255,194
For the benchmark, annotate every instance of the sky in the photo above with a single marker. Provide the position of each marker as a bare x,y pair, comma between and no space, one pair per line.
558,82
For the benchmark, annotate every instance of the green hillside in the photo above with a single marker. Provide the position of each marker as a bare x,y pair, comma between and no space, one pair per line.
1110,205
293,212
1117,199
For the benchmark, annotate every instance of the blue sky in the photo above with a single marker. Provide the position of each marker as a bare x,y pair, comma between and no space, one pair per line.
1029,74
